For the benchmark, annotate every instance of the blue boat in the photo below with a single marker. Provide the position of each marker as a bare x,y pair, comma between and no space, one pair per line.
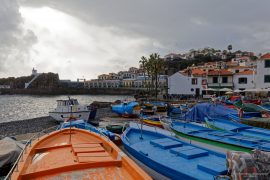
170,156
243,129
84,125
126,109
227,140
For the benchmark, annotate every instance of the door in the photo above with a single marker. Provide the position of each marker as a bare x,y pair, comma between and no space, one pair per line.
197,92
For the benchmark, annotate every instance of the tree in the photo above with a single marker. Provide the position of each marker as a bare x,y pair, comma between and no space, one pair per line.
156,67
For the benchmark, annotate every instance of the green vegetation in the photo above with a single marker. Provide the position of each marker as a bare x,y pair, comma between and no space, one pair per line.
45,80
152,67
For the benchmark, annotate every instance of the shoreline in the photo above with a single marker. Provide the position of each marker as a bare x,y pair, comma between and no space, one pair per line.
71,91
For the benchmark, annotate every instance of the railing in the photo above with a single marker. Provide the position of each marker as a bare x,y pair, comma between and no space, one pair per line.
229,84
29,143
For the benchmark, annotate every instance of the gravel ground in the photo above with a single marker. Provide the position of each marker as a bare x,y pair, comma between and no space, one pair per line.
14,128
29,126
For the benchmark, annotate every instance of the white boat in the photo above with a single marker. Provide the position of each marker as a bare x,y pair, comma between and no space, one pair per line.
70,107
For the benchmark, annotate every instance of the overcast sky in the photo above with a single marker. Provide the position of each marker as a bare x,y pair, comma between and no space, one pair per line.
84,38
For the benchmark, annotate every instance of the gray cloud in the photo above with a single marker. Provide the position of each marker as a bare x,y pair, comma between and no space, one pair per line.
15,42
178,24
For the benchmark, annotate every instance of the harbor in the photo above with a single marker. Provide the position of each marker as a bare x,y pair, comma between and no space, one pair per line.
189,131
134,90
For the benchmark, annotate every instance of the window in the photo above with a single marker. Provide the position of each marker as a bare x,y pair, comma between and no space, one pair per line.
242,80
267,78
215,79
204,82
194,81
237,71
267,63
224,79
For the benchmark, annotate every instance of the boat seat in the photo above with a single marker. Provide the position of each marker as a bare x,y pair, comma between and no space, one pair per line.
87,148
222,134
166,143
94,157
214,169
189,152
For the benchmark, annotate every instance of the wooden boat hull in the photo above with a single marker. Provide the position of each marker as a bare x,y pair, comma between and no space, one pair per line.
62,116
156,149
76,153
262,123
223,139
245,130
213,143
153,123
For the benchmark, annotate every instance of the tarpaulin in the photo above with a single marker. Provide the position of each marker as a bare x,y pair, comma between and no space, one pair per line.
209,110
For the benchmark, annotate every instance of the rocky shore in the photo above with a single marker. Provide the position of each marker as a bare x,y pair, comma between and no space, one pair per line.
28,126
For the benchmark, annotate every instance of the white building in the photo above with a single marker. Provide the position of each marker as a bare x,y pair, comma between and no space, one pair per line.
220,78
244,80
263,72
103,83
189,82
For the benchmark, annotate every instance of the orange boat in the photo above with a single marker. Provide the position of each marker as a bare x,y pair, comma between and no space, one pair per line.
75,154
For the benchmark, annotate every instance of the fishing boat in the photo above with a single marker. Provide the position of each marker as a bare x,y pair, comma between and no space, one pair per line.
226,140
66,107
262,122
250,107
227,125
115,128
74,154
152,120
126,109
160,106
170,156
166,123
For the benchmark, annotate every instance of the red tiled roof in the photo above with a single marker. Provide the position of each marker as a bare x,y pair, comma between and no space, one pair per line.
198,72
219,72
266,56
194,72
247,72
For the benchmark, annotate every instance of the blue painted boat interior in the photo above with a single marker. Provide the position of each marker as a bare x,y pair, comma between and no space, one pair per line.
84,125
240,128
232,138
172,157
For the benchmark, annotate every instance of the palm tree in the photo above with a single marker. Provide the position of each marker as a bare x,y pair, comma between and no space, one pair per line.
156,64
143,62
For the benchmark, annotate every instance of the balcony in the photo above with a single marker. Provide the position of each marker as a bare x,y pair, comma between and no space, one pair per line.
217,85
